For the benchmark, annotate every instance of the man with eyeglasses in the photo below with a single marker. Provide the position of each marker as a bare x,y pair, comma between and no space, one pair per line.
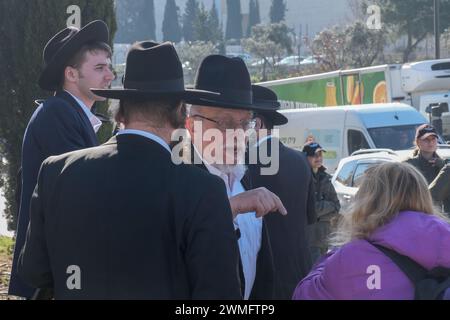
217,127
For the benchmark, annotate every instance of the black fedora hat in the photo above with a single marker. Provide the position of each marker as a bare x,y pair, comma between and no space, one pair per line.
229,77
267,101
153,70
63,46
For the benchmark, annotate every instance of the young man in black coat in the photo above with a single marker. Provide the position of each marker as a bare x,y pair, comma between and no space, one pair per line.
75,60
292,183
122,220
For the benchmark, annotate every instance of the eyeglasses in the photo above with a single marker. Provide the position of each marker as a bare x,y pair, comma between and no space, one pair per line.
224,124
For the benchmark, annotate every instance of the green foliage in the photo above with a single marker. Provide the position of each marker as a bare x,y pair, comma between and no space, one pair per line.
355,46
25,28
206,27
171,28
189,17
413,18
234,20
254,17
277,11
269,43
136,20
192,54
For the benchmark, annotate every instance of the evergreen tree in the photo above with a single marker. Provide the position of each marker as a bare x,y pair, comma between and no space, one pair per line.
136,20
277,11
170,27
254,16
189,19
234,20
214,25
201,25
25,28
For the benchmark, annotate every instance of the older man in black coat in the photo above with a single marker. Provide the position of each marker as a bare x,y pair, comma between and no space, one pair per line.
122,220
293,183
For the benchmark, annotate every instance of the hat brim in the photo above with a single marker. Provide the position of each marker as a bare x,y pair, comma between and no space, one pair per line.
225,104
275,117
120,94
426,135
96,31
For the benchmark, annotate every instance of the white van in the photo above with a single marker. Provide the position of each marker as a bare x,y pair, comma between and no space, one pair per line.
344,130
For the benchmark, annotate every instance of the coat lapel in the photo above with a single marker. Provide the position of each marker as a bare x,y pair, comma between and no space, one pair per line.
86,122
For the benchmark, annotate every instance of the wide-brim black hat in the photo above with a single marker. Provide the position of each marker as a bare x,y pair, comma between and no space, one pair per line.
229,77
267,102
153,70
63,46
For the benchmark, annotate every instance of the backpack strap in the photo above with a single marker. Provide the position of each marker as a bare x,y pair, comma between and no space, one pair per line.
414,271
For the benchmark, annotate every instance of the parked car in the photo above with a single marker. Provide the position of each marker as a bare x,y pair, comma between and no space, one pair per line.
348,176
309,61
290,61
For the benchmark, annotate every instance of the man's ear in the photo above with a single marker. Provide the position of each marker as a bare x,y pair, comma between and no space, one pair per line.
189,124
71,74
259,123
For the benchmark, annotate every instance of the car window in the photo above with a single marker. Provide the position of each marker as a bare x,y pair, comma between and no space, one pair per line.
356,141
359,173
345,175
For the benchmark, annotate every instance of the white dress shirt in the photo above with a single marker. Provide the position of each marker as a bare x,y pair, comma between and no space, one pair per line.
95,122
250,228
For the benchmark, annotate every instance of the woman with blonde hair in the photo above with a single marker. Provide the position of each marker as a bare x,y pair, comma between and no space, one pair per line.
393,209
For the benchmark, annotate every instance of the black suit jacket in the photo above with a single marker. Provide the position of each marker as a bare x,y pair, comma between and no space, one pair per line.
137,225
57,127
287,234
263,286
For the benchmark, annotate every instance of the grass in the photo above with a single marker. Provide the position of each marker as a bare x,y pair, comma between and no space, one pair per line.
6,247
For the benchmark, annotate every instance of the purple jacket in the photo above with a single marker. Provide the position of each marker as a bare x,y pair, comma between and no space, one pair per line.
358,270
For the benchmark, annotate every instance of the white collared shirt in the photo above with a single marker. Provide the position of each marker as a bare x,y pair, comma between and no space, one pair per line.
250,228
95,122
147,135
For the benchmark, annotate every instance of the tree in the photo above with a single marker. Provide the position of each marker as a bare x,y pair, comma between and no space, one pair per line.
25,28
190,16
413,18
234,20
171,28
277,11
192,54
206,27
269,43
355,46
136,20
214,25
254,16
201,25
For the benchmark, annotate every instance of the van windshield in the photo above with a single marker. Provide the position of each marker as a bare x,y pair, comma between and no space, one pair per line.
395,138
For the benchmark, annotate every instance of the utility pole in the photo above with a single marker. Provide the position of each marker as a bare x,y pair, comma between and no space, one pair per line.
437,33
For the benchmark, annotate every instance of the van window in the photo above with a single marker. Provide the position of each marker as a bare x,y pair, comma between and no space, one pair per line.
395,138
346,173
356,141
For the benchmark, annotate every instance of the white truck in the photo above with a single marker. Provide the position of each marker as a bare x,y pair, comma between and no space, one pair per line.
418,84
